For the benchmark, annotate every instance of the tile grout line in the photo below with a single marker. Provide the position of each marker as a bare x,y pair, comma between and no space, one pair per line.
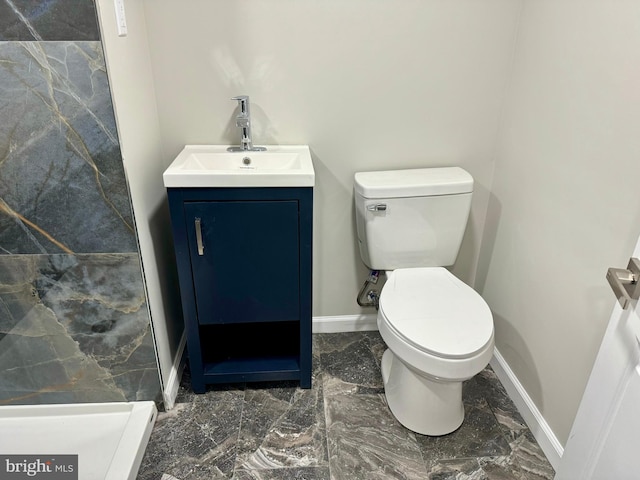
235,459
324,412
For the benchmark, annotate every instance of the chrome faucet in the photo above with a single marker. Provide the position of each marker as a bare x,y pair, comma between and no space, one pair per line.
243,122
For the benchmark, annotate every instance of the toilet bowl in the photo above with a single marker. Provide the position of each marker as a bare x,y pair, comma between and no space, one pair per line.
439,332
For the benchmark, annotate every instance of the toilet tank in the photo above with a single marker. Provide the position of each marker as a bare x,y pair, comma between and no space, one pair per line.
411,218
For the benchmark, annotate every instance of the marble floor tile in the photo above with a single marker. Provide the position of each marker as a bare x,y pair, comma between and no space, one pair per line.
296,473
526,462
501,405
348,363
367,442
340,429
197,438
457,469
282,427
478,436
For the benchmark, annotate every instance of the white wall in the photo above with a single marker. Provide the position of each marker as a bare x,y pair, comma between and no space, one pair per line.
132,88
564,205
367,84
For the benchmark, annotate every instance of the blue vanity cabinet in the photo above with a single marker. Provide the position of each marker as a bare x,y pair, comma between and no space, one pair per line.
244,266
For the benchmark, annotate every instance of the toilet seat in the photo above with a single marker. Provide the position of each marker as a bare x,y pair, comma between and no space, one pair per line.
436,313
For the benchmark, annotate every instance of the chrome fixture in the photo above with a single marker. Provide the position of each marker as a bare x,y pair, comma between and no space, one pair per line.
625,282
377,207
243,122
372,296
200,243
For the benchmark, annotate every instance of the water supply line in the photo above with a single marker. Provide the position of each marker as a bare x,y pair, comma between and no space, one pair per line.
372,296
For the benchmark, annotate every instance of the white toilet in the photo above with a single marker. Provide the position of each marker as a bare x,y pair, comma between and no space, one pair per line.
438,330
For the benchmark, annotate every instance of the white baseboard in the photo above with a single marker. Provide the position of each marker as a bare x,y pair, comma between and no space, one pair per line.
539,427
345,323
173,382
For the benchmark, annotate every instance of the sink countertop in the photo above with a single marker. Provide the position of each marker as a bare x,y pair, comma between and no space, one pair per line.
198,166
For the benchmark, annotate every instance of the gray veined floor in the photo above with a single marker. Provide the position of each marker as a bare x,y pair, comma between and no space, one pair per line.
339,429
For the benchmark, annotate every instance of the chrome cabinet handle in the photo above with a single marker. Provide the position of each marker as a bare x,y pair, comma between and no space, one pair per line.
625,283
199,236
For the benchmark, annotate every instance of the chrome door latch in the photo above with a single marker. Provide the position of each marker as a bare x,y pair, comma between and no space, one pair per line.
625,282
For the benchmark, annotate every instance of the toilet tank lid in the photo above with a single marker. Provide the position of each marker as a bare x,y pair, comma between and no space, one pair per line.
415,182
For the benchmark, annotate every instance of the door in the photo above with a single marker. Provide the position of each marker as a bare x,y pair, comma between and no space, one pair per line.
245,260
603,440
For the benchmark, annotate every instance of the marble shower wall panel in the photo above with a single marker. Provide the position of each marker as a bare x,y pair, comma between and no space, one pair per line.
74,323
48,20
74,328
62,183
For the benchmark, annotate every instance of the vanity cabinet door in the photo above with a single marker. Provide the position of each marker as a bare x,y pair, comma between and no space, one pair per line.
245,260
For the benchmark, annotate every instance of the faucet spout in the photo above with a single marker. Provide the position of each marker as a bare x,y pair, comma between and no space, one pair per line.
243,103
243,122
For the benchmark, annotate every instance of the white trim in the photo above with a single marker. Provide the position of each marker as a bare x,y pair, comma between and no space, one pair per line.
345,323
539,427
170,391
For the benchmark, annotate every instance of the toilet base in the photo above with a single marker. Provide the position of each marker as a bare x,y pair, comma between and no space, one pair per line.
422,405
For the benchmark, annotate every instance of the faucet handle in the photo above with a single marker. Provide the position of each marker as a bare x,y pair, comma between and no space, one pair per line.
243,102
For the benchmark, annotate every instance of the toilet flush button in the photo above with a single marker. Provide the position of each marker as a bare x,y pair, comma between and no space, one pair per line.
377,207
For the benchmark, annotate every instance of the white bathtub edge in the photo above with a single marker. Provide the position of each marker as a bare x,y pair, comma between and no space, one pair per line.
133,443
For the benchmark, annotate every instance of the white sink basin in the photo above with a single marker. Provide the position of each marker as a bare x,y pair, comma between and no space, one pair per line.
214,166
